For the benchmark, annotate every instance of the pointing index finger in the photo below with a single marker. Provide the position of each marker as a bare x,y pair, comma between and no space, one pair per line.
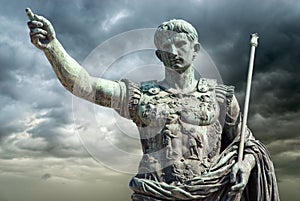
30,14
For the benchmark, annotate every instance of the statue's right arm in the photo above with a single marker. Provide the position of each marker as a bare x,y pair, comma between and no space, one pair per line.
72,76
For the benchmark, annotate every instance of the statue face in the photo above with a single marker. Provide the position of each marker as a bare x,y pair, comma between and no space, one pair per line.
176,51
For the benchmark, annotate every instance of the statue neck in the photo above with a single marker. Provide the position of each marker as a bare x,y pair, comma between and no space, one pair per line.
180,82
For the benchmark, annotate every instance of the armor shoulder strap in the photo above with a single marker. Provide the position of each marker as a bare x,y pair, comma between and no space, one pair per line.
224,93
134,94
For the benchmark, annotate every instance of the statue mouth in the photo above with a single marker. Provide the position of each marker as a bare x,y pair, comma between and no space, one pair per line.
178,59
177,62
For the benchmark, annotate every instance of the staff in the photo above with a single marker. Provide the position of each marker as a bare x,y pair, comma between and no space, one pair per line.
253,43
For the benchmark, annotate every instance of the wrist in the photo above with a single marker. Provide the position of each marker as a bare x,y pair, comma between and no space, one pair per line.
54,44
249,160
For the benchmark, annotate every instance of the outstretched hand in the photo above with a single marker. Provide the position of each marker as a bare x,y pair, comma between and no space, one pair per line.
41,30
240,173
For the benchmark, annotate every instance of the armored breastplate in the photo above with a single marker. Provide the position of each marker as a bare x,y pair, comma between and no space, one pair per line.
180,133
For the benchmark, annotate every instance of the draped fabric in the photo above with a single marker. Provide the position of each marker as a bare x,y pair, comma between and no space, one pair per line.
214,185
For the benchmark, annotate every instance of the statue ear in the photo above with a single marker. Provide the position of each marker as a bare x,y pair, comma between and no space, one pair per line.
197,47
159,54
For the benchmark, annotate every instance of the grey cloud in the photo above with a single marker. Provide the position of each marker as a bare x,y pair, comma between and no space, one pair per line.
276,92
46,176
288,163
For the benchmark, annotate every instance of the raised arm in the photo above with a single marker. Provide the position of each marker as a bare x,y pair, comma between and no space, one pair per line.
71,74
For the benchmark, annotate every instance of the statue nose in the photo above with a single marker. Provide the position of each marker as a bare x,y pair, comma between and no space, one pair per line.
173,50
167,55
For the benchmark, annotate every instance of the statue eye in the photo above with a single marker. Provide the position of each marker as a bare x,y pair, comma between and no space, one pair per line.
166,46
180,43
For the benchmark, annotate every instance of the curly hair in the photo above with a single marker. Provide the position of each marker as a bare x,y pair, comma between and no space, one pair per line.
176,25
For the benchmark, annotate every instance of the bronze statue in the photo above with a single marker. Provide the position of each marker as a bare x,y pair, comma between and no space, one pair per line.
189,129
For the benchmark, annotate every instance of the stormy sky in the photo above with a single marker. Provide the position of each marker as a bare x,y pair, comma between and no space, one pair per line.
54,146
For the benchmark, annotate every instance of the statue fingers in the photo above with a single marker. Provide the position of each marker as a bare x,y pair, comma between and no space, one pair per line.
234,172
34,24
48,26
36,40
241,184
37,18
30,14
238,187
39,31
39,37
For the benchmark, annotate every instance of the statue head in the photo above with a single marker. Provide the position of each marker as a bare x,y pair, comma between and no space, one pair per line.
177,44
